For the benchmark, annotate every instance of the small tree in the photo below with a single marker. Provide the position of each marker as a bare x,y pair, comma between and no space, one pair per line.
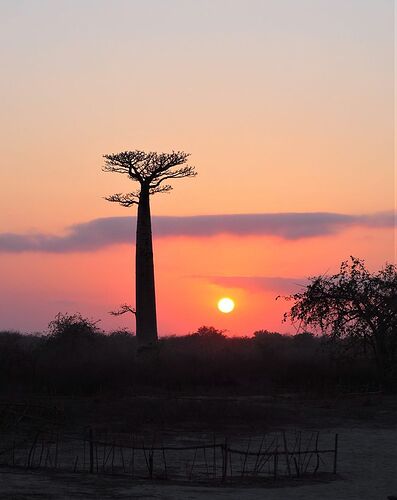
150,170
357,306
72,328
209,332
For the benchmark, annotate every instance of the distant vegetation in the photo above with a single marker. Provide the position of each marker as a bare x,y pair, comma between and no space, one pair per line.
76,357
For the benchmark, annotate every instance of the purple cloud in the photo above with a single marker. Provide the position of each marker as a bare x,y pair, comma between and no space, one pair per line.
273,283
103,232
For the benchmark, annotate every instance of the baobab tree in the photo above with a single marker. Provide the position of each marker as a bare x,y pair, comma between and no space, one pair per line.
150,170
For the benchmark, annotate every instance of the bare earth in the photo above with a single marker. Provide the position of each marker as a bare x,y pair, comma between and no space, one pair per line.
367,464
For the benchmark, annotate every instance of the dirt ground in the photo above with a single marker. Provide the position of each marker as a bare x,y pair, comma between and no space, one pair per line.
367,462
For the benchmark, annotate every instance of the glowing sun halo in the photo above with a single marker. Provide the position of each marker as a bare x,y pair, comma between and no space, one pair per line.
226,305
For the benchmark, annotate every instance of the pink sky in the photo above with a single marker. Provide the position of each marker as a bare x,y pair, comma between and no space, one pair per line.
286,108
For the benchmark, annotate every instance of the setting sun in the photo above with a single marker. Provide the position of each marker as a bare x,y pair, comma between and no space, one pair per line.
226,305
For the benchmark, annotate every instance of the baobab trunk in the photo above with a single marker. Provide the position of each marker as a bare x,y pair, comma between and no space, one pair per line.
146,320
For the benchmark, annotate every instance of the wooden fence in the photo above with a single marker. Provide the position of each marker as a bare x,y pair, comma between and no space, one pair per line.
274,456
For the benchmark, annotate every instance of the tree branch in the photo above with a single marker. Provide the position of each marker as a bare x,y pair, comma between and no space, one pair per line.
160,189
124,308
176,174
125,200
126,162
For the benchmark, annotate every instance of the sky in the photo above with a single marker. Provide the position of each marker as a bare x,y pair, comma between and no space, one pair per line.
286,107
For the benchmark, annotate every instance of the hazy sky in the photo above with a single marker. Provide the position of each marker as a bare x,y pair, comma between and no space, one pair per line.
286,107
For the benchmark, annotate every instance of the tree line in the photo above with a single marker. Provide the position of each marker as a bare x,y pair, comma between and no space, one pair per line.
74,356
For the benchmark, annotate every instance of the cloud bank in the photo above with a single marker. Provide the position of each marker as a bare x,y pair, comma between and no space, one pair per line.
103,232
263,283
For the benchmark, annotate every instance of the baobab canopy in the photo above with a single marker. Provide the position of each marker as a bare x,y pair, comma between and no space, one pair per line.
149,169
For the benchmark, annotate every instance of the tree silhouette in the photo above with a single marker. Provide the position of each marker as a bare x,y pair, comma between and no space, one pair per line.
357,306
150,170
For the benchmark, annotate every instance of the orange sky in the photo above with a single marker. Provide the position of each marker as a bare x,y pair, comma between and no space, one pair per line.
285,107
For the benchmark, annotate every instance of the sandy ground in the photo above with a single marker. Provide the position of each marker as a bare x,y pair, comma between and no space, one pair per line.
367,465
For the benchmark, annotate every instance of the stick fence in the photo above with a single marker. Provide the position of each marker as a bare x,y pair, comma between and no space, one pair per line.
275,456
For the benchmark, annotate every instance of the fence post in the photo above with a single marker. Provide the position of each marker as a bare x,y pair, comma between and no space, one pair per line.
225,459
336,453
151,453
275,464
56,451
31,451
214,457
286,453
91,443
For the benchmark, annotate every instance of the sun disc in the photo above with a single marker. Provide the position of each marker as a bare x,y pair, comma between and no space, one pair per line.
226,305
